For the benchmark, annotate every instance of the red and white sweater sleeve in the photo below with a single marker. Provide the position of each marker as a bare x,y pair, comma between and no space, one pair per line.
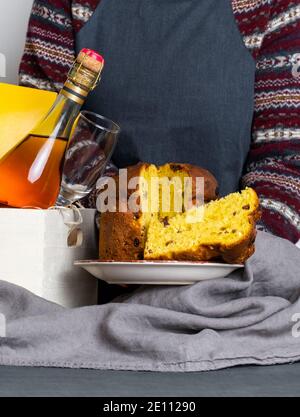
50,44
271,31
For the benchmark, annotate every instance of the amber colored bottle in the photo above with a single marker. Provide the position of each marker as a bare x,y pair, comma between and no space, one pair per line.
30,174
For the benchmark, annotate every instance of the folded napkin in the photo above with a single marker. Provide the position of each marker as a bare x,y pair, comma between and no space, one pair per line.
249,317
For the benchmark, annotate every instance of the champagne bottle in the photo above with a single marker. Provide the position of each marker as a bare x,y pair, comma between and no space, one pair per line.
30,174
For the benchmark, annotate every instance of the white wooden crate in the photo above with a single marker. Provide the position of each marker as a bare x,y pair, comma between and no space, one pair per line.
34,254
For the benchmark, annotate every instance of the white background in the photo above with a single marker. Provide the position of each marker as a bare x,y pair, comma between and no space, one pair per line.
14,16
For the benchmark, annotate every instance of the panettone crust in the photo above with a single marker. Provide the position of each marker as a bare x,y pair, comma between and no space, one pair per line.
122,237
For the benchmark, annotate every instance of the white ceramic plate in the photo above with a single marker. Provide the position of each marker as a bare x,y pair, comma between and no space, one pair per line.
156,272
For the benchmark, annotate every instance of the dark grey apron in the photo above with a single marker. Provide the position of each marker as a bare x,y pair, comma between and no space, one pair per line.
179,81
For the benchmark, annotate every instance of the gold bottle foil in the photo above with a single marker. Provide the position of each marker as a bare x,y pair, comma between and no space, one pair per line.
81,80
83,77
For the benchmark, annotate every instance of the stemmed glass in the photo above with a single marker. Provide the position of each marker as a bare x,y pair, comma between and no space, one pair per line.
90,148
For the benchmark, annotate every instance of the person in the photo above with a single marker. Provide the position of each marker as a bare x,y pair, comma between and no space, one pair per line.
213,82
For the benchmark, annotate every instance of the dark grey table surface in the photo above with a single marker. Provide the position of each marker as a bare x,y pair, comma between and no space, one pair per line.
251,381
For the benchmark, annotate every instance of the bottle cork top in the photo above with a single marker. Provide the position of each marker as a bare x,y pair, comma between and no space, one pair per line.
91,59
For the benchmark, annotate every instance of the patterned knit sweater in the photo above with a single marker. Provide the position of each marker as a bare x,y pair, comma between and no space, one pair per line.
271,31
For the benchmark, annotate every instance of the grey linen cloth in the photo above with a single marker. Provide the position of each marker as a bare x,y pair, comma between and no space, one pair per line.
246,318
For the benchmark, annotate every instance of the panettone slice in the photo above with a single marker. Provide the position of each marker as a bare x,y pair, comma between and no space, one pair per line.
220,230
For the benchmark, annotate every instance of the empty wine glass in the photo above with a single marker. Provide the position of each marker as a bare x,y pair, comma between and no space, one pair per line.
90,148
